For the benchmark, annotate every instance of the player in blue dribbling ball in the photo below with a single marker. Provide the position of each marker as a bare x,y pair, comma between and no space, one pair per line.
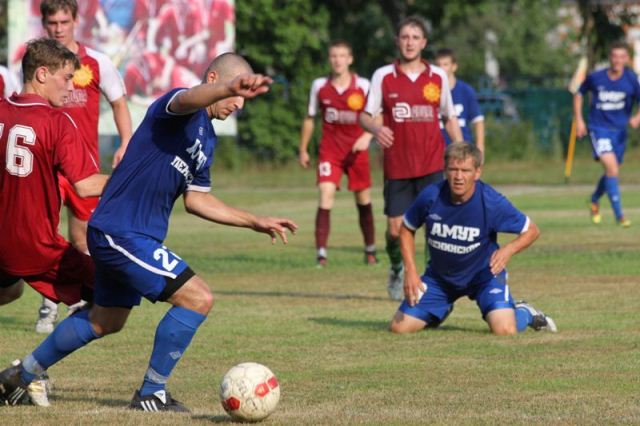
169,156
462,216
614,91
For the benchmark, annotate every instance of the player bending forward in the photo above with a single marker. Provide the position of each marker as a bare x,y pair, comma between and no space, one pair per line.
170,156
462,216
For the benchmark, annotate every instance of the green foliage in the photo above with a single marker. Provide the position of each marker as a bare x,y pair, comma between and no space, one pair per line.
286,39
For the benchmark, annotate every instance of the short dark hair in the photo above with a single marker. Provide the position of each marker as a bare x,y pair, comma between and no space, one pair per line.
461,151
447,53
341,43
226,66
414,21
51,7
46,52
620,44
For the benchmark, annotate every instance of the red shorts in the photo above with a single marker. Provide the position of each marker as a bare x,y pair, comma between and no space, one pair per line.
82,208
355,164
69,280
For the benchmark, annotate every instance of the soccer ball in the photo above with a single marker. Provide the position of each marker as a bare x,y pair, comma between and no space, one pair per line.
249,391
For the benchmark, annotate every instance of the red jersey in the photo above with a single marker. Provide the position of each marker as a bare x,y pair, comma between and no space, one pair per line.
96,75
36,142
340,112
220,12
410,106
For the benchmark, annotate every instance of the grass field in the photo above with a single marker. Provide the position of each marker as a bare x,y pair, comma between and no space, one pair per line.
324,332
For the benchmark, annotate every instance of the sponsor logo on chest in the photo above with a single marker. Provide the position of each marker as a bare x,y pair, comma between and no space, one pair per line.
455,232
195,153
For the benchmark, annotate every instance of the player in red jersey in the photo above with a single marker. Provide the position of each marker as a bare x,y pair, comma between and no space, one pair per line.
37,141
96,75
343,147
410,93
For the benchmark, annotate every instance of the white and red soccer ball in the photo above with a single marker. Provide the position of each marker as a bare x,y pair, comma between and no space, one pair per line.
249,391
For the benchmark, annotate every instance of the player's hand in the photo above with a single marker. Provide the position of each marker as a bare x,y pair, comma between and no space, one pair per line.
414,288
117,156
499,259
250,85
635,121
362,143
303,158
581,128
384,136
274,227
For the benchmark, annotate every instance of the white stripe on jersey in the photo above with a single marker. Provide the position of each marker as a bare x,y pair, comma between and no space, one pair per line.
506,293
138,261
197,188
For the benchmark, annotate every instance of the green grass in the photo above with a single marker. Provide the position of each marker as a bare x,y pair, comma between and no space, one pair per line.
324,332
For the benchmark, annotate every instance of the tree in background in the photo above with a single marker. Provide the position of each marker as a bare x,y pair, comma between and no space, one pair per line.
286,39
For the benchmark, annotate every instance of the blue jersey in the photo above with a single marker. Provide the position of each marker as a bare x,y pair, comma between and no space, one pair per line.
611,100
168,155
462,237
467,109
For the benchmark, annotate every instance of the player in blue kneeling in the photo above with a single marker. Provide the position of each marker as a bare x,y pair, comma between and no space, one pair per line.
462,216
614,91
169,155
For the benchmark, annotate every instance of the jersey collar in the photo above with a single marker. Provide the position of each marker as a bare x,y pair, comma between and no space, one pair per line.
28,99
398,70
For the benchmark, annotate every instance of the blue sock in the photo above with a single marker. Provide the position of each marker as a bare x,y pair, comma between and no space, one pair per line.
173,335
523,319
613,191
600,189
71,334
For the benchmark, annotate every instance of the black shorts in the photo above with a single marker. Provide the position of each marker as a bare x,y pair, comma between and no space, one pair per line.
400,193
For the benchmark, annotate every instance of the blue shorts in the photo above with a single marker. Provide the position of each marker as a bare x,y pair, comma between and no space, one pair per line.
437,302
128,269
604,140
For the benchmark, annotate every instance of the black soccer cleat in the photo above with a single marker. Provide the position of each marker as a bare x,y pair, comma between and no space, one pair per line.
13,391
158,401
540,320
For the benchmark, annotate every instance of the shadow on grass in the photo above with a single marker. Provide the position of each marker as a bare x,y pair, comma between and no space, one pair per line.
384,325
216,419
300,295
368,324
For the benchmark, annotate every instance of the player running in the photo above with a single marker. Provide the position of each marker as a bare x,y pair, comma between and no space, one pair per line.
465,101
97,75
169,156
410,94
38,141
462,216
343,147
614,91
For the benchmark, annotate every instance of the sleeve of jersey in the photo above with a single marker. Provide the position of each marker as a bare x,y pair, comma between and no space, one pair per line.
111,83
71,156
160,108
415,214
585,86
506,218
474,108
202,179
374,100
312,110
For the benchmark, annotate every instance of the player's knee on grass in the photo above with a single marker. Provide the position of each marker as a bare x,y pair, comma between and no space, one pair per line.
502,322
194,295
10,293
403,324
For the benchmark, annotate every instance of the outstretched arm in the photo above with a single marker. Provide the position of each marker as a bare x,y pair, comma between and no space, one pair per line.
412,282
501,257
122,118
210,208
581,128
305,136
203,95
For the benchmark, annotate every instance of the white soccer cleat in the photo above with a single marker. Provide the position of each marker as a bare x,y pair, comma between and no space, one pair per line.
47,317
540,320
395,285
39,389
